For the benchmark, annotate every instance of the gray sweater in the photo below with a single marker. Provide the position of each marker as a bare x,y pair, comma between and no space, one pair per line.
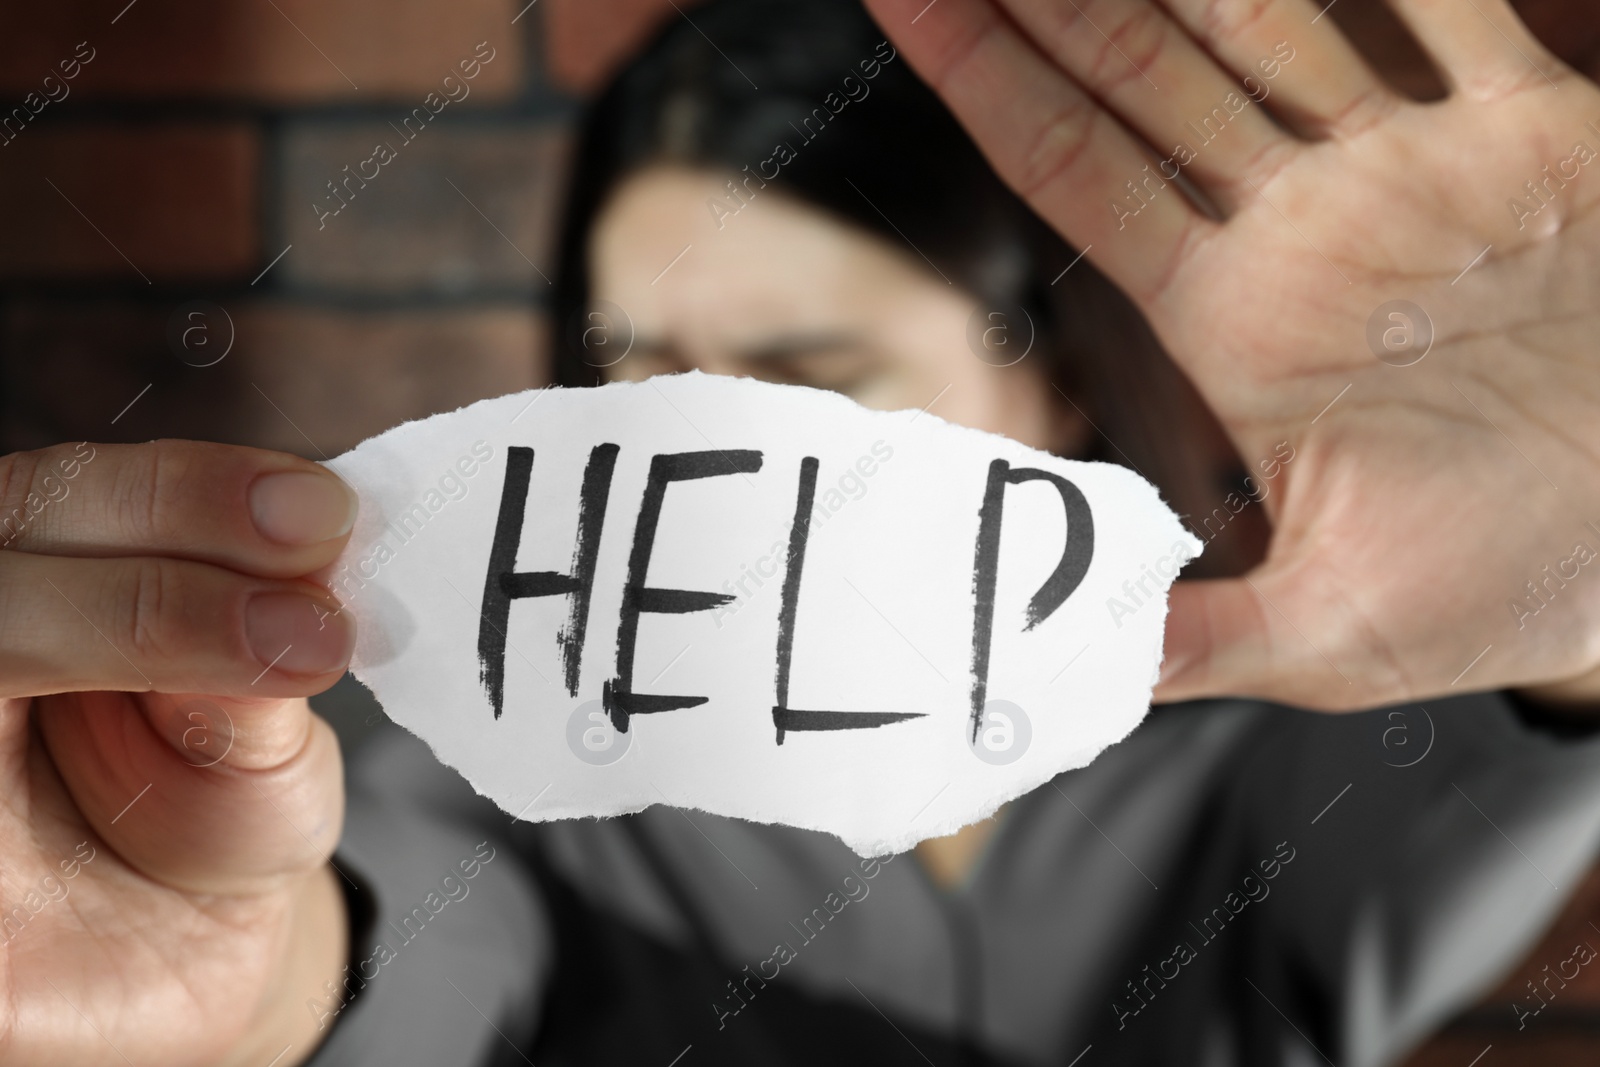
1233,884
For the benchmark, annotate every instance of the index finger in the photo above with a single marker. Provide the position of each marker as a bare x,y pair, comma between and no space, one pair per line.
247,509
1063,153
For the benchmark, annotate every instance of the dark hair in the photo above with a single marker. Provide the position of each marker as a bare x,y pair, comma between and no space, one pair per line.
685,100
883,154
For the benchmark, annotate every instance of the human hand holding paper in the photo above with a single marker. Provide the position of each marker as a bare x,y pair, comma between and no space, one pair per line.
752,599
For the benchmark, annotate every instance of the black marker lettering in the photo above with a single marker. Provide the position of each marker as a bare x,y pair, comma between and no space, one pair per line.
783,716
618,696
505,583
986,566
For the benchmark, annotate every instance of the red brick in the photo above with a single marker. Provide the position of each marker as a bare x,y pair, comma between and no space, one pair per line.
586,40
178,201
409,228
283,50
299,379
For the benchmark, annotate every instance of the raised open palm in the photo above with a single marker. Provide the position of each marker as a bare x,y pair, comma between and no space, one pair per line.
1372,280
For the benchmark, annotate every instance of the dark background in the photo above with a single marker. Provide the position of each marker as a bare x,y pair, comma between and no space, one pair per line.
185,161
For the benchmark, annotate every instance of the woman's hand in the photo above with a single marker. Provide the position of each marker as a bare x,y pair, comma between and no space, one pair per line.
167,800
1431,482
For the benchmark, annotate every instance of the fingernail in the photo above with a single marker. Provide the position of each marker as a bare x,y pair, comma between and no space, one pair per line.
302,507
293,633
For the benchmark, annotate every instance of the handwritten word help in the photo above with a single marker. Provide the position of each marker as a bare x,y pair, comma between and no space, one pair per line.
590,575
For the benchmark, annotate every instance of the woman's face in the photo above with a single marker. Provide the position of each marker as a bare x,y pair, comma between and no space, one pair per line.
784,292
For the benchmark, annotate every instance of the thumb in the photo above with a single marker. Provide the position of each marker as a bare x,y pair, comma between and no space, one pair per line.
1257,636
211,795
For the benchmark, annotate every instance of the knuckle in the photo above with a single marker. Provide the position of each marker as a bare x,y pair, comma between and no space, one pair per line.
1221,20
1059,146
1130,49
146,500
151,596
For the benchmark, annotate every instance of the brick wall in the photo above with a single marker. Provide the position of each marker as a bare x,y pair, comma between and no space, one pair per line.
165,173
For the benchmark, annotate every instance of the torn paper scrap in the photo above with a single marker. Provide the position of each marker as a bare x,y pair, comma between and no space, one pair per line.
756,600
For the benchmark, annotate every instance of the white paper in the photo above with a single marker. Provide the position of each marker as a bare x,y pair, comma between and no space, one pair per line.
884,617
